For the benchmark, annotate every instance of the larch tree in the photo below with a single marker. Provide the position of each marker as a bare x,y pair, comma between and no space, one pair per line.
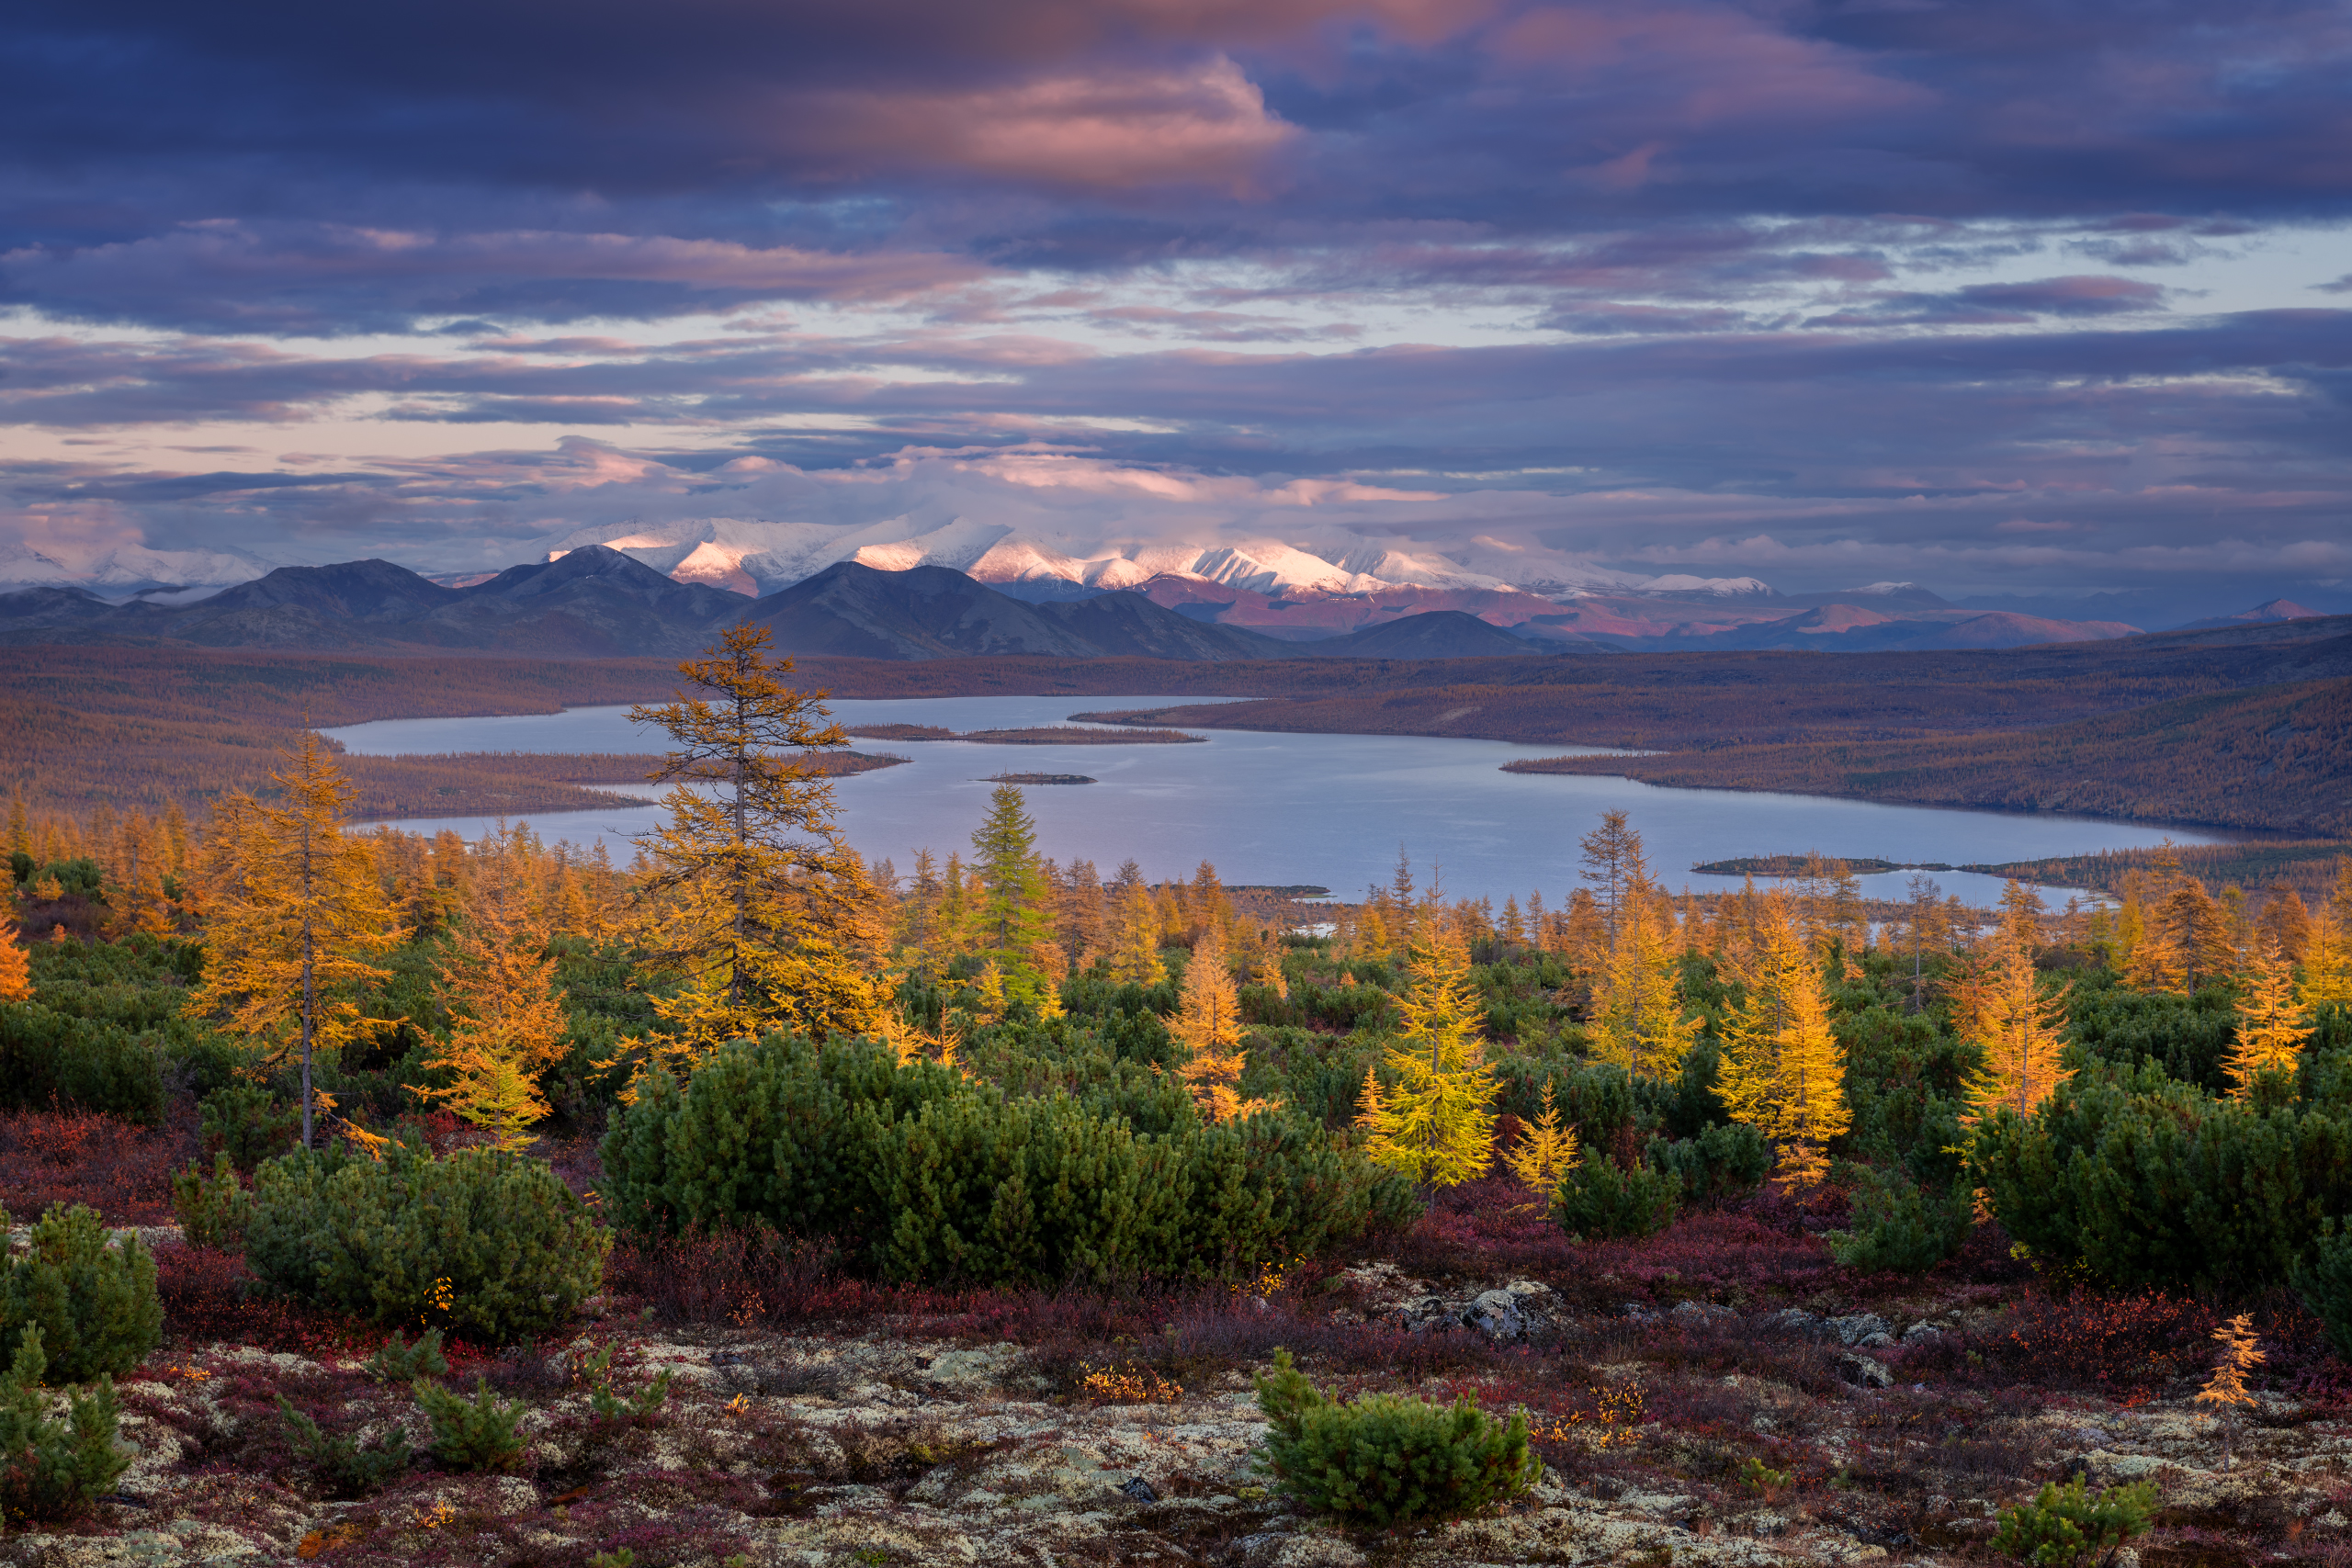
16,968
756,897
1135,938
2271,1030
1782,1071
506,1016
1614,866
1209,1022
1546,1152
1016,918
2019,1029
2327,965
1437,1125
1639,1019
294,912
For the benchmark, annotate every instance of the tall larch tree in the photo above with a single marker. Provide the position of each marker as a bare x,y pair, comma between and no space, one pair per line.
294,913
1437,1125
507,1014
16,968
2019,1027
2327,965
1782,1071
754,893
1135,937
1016,913
1639,1021
1615,868
2271,1030
1209,1022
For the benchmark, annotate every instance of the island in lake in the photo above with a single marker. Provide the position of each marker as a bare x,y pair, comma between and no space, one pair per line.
1037,778
1033,735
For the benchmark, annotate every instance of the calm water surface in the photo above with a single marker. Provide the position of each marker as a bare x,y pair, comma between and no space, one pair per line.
1328,809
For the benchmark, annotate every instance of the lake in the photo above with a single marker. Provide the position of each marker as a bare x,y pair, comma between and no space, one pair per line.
1325,809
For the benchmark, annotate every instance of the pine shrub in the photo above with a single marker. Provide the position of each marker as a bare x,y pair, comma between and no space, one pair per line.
49,1056
1900,1226
609,1408
348,1469
248,1123
1599,1201
55,1468
213,1209
2326,1282
2066,1524
491,1242
93,1302
1727,1159
397,1361
472,1433
1388,1459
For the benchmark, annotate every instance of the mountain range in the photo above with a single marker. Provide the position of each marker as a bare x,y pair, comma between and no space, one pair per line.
601,600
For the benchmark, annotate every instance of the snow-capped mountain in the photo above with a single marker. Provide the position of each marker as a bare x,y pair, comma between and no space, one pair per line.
122,571
760,558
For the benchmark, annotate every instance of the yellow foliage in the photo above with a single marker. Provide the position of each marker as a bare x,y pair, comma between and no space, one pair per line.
1638,1022
507,1018
1209,1022
15,969
1135,938
294,911
1436,1127
2270,1031
2019,1030
1782,1071
2327,965
1545,1153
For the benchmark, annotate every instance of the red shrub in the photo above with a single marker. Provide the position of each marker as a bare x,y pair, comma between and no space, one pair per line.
81,1157
206,1299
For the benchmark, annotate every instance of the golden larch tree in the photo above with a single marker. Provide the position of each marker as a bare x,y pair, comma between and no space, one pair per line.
16,968
1135,938
1783,1072
2271,1030
2020,1030
1209,1022
1546,1152
2327,965
294,912
506,1016
1437,1125
757,897
1638,1019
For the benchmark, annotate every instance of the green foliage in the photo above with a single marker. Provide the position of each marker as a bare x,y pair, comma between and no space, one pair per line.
54,1467
486,1242
608,1406
1727,1159
94,1303
248,1123
397,1361
2065,1524
779,1131
2325,1282
472,1433
2143,1180
1077,1164
2189,1037
47,1057
624,1557
348,1469
1387,1459
213,1209
1761,1478
1900,1225
1905,1079
1598,1201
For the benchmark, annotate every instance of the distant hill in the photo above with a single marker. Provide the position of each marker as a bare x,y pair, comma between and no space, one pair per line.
2274,610
594,602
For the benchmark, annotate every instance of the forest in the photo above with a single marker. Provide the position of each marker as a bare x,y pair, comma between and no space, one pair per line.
1854,1228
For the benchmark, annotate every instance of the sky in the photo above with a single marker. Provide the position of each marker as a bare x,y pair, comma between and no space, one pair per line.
2039,299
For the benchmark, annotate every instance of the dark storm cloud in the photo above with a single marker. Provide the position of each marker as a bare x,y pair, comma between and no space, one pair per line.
1667,248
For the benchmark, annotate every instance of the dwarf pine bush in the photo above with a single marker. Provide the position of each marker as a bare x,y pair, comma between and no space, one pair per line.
2066,1524
397,1361
213,1209
93,1302
349,1469
54,1467
488,1242
1597,1201
1900,1226
472,1433
1388,1459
